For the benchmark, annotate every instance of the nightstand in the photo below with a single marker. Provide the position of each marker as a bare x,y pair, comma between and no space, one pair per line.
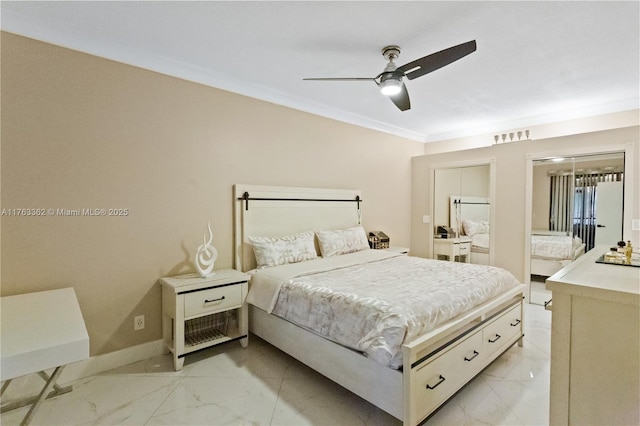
452,249
201,312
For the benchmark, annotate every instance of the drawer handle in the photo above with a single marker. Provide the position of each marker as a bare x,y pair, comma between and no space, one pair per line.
513,324
214,300
441,379
495,339
475,354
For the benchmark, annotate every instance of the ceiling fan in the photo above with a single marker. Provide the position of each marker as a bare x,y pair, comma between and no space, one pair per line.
390,80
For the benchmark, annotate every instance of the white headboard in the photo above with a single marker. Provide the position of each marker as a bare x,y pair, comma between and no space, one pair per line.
267,211
467,208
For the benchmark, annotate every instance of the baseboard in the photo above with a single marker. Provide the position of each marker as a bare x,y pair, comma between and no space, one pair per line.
100,363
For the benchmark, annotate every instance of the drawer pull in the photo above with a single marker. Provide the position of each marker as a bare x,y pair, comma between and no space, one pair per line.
214,300
495,339
516,322
441,379
475,354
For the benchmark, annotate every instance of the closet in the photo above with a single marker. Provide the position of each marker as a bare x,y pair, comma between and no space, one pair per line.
462,214
577,202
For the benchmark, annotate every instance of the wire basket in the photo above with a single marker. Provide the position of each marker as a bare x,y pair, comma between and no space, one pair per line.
207,328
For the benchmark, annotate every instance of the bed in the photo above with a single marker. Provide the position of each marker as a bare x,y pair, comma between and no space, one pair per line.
417,365
552,251
469,215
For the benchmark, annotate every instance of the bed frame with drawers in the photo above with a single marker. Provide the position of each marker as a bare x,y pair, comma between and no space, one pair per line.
435,365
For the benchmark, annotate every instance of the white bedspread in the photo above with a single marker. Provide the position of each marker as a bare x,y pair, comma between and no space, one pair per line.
374,301
554,247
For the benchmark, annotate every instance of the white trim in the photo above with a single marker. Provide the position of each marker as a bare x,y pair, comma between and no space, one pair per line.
25,26
100,363
15,23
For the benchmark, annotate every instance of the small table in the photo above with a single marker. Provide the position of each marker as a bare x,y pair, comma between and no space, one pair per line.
201,312
40,331
452,249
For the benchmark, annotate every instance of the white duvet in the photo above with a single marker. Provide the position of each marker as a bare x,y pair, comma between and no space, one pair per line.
554,247
373,301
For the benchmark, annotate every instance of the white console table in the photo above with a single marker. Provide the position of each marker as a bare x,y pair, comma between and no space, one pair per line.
40,331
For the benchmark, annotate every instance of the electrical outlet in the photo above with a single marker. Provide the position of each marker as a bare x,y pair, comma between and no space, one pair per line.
138,322
635,225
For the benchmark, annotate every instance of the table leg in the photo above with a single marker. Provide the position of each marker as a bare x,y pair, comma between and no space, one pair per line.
178,362
43,393
23,402
58,390
5,386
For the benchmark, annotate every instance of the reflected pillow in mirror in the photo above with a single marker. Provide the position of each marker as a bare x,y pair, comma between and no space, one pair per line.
473,227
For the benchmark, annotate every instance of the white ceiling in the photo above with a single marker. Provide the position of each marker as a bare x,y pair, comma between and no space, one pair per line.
537,62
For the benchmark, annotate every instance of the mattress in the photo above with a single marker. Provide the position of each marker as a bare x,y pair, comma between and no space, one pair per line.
554,247
373,301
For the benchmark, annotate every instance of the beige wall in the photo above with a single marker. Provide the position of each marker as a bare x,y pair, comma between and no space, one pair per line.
510,200
81,132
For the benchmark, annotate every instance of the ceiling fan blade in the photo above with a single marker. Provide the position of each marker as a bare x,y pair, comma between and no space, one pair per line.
401,99
342,79
437,60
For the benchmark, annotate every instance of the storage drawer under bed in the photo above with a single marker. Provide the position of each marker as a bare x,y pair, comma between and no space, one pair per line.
502,330
442,377
438,378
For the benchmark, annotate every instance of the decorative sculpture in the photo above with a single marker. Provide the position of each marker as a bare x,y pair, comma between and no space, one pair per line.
206,256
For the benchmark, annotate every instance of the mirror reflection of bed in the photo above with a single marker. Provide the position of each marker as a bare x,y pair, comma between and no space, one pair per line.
462,204
568,217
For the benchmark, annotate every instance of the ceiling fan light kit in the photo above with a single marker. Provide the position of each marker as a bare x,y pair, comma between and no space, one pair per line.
390,81
390,86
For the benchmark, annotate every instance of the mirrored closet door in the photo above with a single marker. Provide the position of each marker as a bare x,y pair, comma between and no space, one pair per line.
462,214
577,203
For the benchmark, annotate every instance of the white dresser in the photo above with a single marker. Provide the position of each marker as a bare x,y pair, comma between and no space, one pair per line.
595,343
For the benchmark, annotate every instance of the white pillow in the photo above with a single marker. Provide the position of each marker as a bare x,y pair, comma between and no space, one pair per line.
273,251
342,241
472,227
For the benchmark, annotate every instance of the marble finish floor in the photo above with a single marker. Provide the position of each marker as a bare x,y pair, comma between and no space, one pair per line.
539,293
260,385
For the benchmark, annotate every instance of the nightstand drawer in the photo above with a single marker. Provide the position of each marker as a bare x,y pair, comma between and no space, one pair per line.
464,249
212,300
